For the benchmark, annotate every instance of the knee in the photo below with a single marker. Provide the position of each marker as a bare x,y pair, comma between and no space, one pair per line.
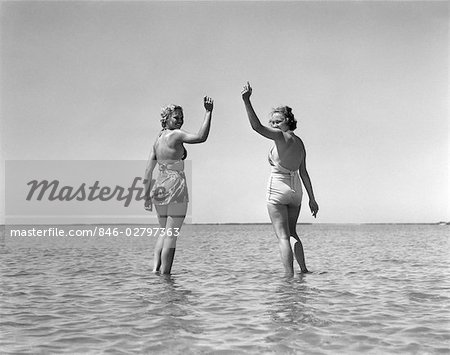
280,232
170,241
284,240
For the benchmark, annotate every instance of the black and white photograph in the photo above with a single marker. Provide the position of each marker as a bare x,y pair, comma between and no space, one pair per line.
224,177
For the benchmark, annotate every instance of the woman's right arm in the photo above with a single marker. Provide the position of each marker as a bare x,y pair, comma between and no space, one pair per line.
202,134
274,134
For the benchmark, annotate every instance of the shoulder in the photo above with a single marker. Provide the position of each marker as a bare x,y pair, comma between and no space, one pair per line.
299,142
175,135
297,138
292,138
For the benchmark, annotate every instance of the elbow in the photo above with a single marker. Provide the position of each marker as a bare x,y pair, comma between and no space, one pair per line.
256,127
198,140
203,138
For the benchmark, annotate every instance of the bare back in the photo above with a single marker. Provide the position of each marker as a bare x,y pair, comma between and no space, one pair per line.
168,147
289,152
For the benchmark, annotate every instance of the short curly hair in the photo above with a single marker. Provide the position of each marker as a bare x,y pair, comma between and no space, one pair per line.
286,111
167,111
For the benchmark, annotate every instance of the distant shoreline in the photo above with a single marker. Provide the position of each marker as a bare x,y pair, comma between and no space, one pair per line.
220,224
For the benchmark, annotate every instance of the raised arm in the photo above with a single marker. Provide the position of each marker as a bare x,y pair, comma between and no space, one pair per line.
265,131
203,133
308,186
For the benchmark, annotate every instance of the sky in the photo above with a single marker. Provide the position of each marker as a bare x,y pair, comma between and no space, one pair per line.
367,82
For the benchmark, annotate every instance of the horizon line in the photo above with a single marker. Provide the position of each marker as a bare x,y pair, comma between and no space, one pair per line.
233,223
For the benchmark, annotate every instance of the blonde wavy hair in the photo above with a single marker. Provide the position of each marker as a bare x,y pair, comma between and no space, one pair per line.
166,112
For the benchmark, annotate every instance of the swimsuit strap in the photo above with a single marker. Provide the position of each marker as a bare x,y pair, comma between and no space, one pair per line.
278,168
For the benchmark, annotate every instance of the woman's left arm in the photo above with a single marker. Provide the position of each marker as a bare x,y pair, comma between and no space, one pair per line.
308,186
202,135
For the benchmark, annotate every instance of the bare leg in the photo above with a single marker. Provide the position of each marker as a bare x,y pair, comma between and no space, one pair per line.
293,213
279,217
175,217
162,219
157,254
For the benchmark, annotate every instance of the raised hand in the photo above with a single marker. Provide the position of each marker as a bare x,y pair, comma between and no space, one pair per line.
246,92
209,103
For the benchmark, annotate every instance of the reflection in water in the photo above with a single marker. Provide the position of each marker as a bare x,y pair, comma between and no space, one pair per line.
292,304
289,303
292,315
164,297
171,305
174,298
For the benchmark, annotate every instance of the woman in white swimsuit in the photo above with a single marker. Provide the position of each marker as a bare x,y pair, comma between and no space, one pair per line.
284,191
169,191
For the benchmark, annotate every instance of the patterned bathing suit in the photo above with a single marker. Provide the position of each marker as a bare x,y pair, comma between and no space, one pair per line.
170,186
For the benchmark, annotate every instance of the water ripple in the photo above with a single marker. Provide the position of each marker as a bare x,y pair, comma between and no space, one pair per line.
374,289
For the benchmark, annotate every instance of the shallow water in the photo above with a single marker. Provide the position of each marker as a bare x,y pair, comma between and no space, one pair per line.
376,289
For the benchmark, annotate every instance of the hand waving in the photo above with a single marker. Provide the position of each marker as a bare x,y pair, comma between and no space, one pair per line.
246,91
209,103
